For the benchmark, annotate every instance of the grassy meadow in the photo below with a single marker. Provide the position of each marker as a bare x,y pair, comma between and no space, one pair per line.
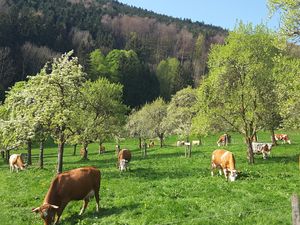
165,187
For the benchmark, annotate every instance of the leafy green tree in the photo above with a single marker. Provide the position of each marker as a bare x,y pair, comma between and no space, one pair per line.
58,96
101,114
124,67
153,116
240,87
168,72
180,112
287,73
290,16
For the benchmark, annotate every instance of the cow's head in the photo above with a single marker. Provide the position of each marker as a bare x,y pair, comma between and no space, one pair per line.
47,213
123,164
233,175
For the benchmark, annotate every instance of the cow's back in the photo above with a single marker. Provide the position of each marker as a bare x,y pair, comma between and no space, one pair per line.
77,184
124,154
223,158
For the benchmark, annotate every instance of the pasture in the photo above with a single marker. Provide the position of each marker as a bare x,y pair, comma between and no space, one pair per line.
165,187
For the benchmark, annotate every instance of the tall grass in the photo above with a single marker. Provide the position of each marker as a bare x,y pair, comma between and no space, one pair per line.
165,187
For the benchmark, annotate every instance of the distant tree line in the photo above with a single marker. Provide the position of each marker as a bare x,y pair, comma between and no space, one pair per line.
33,32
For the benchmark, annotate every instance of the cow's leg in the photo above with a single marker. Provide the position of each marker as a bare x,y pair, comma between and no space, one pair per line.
85,204
212,167
59,211
97,200
220,172
225,173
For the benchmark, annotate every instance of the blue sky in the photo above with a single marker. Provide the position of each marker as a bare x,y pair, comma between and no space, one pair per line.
223,13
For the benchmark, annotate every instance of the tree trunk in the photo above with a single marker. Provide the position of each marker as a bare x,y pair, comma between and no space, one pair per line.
85,154
145,149
140,142
161,138
273,137
29,147
2,154
7,153
250,156
74,149
254,139
41,155
60,154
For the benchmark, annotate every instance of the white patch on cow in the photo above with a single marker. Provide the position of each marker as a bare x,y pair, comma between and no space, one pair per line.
123,164
90,194
224,155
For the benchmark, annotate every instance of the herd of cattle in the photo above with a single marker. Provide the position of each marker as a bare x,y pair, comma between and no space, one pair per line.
84,183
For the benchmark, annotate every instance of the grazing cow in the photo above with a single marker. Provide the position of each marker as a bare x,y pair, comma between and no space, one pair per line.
78,184
101,149
224,140
262,148
282,137
180,143
16,162
224,160
196,142
124,158
151,144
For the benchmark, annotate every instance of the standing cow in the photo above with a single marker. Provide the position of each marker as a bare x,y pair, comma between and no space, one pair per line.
224,139
282,137
262,148
124,158
224,161
77,184
16,162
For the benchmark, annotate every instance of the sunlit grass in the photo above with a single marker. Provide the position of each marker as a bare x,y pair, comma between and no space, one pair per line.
165,187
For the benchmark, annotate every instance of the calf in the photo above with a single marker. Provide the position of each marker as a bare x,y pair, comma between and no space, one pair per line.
77,184
196,142
16,162
282,137
262,148
151,144
224,161
224,140
124,158
180,143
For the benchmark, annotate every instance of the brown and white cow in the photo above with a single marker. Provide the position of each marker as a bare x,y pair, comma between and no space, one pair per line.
124,158
262,148
196,142
16,162
151,144
224,160
282,137
224,140
78,184
180,143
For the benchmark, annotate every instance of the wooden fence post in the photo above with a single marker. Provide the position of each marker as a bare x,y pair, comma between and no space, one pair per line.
295,210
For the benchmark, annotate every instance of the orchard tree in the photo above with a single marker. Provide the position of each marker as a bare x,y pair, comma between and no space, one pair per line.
289,15
180,112
57,96
287,73
137,128
101,114
240,88
18,102
153,116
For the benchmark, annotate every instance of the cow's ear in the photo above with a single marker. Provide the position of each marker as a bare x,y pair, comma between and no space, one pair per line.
54,206
36,210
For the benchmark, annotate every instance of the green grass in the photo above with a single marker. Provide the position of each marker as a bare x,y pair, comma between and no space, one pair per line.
165,187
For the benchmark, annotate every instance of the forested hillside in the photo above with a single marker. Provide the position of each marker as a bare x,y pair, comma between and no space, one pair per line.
32,32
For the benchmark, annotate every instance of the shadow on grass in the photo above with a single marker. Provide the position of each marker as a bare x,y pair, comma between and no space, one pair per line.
103,212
